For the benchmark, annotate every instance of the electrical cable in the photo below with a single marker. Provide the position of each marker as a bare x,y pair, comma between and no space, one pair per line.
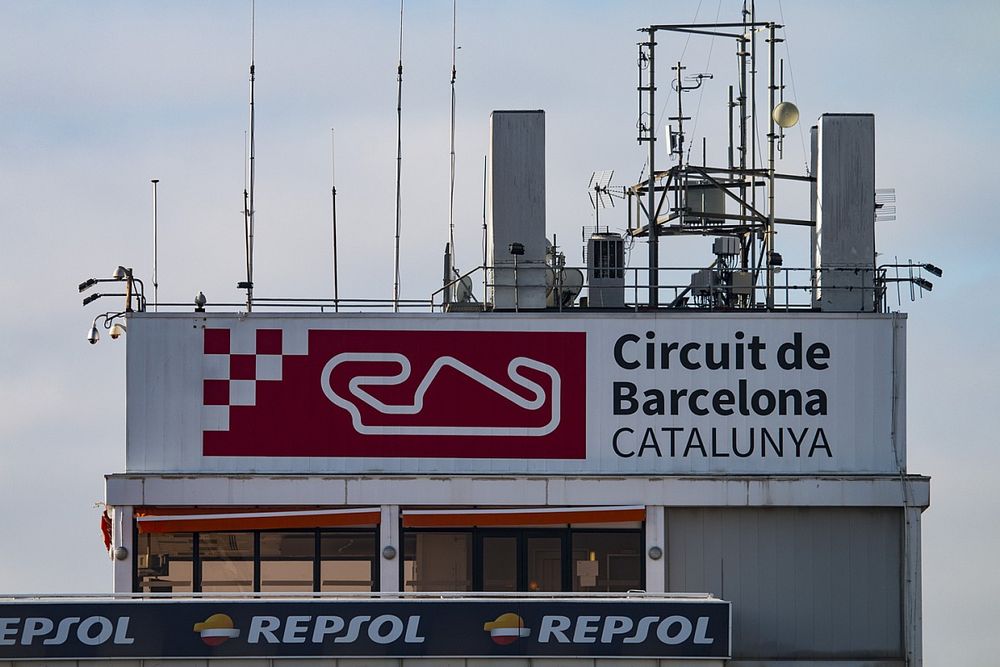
791,76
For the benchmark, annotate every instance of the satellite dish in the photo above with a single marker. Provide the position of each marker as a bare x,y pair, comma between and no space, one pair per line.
571,284
786,115
463,290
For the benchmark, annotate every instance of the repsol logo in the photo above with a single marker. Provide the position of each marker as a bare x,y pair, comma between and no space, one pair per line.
384,629
89,631
669,630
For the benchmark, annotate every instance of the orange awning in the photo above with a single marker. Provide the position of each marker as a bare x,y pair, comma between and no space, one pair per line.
521,516
168,520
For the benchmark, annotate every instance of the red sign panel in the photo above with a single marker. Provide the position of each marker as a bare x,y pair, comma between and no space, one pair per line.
452,394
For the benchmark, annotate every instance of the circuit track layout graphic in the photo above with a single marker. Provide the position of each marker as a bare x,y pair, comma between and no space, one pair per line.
357,384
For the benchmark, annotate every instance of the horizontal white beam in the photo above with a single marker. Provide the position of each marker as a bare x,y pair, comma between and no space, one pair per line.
479,491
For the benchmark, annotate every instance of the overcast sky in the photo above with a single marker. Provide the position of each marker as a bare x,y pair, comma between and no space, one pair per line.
97,98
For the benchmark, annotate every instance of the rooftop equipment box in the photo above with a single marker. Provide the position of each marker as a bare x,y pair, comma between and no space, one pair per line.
516,209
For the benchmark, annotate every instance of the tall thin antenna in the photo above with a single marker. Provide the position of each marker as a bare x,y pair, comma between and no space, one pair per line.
333,203
248,188
399,157
248,194
156,284
485,260
451,199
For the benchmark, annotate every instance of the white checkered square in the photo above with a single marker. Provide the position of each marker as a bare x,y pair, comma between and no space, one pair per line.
215,366
243,340
268,366
242,392
215,417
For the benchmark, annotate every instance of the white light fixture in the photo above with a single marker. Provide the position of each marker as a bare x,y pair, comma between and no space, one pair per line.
786,115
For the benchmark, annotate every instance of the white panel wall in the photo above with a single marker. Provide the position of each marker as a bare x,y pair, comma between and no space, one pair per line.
805,583
863,382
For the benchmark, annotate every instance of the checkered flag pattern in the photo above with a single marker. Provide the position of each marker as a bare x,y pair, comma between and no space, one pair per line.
232,369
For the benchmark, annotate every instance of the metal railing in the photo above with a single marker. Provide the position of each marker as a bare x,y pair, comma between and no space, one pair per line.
373,595
840,289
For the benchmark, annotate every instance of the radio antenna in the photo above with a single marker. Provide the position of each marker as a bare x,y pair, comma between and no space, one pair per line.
399,158
451,200
156,284
248,204
333,203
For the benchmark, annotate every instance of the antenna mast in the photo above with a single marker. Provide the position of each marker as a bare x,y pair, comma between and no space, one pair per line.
156,285
248,205
333,203
399,158
451,200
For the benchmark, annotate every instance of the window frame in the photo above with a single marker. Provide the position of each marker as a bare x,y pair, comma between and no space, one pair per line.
196,558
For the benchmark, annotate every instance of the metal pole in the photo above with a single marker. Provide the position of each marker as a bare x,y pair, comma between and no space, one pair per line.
485,261
769,235
742,55
515,284
451,198
654,246
156,284
730,127
333,204
250,212
399,159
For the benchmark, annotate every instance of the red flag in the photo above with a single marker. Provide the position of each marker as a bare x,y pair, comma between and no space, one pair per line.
106,530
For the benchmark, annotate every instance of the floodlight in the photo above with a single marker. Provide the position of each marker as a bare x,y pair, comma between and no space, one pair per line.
923,283
87,284
930,268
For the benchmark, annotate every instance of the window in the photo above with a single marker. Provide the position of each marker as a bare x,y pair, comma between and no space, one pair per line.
523,559
286,561
347,561
270,561
227,562
165,563
437,561
607,561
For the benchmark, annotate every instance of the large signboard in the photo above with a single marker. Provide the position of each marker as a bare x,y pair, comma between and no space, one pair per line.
675,394
425,628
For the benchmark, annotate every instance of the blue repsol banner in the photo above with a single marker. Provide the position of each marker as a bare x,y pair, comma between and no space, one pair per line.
664,628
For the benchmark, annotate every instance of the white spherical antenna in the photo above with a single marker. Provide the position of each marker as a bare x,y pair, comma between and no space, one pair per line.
786,115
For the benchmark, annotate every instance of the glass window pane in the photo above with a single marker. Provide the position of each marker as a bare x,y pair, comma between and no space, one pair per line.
437,561
165,563
499,563
544,564
226,562
609,562
347,561
286,561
